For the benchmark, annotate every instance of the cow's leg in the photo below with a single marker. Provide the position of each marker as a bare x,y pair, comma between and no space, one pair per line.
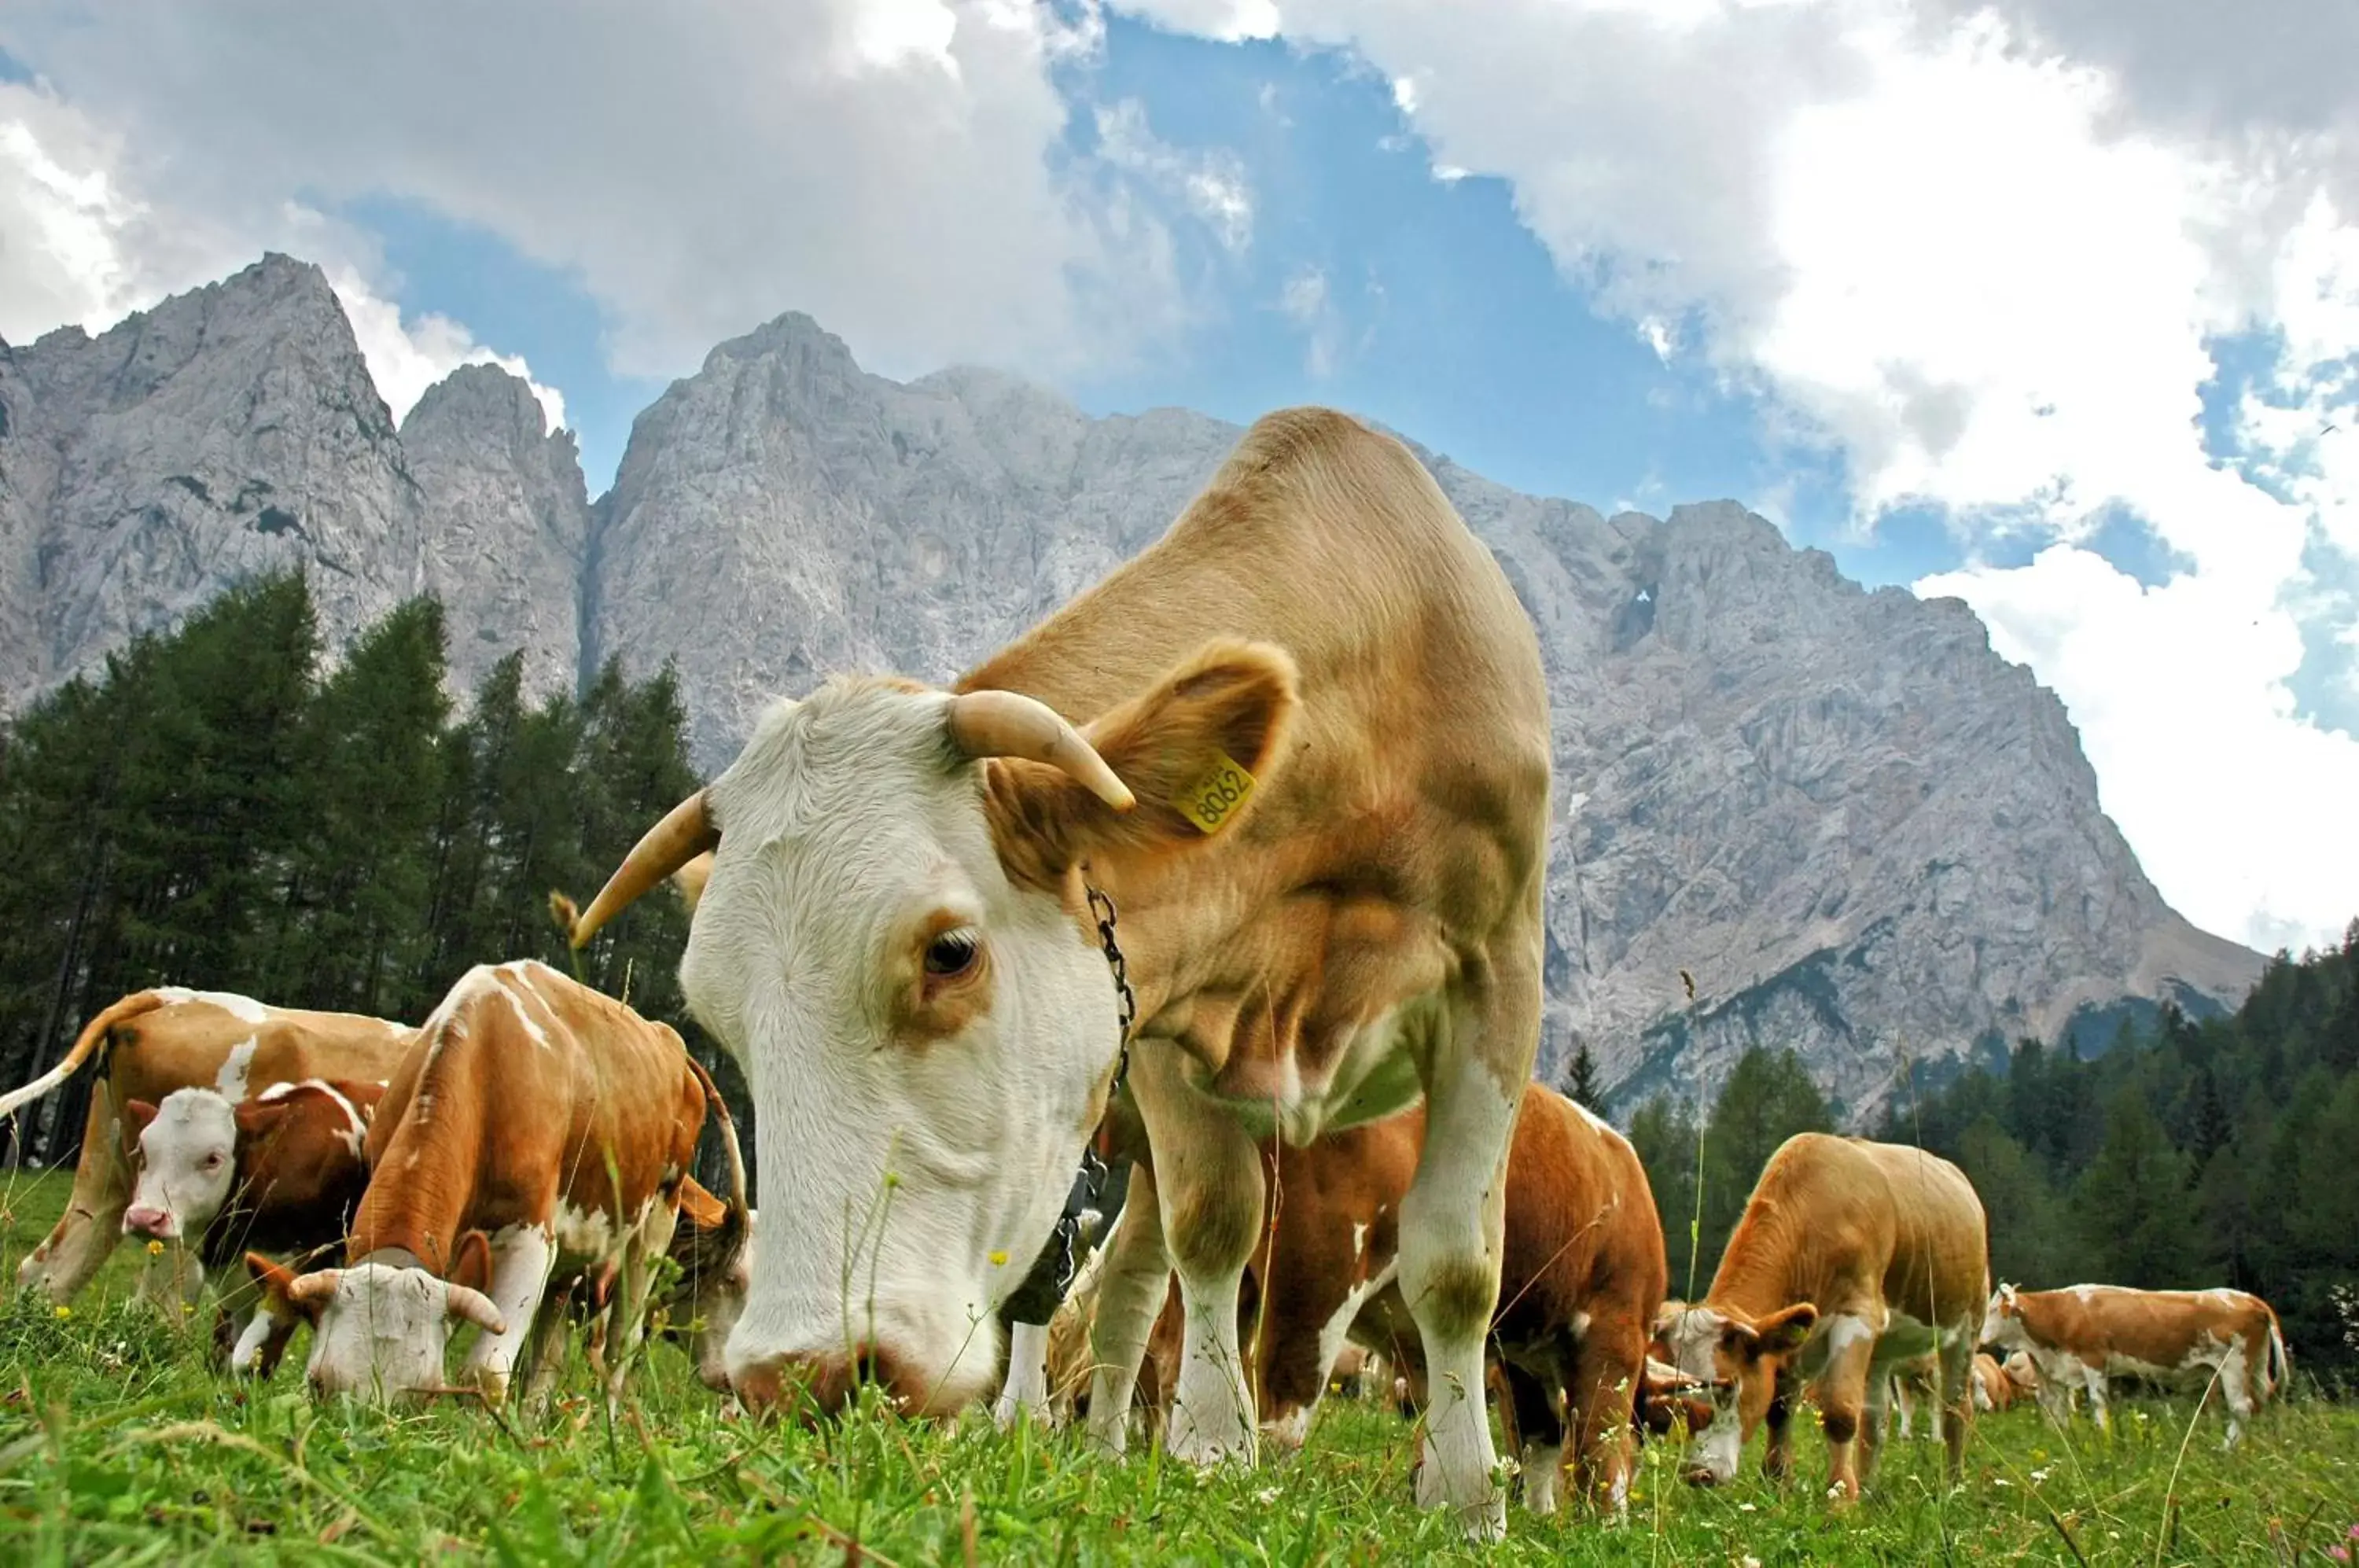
1134,1280
1027,1388
2093,1379
1537,1432
1777,1452
1602,1395
1450,1222
1208,1179
1955,1389
2236,1388
648,1240
1876,1428
521,1259
1851,1406
86,1233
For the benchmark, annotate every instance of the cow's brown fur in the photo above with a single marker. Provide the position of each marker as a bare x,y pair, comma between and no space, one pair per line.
1846,1229
484,1127
300,1174
1582,1245
1994,1389
151,1044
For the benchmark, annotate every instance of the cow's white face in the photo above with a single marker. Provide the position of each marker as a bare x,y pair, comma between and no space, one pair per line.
2002,1324
927,1042
1738,1360
187,1162
894,943
381,1332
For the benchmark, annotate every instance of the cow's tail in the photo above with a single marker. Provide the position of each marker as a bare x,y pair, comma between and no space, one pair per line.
702,1251
2281,1365
93,1036
566,913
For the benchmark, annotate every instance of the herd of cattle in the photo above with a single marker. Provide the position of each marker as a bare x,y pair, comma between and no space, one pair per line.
1231,870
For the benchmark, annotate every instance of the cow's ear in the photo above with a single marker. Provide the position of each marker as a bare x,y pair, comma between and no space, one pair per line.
277,1281
1194,749
1782,1333
470,1264
141,1113
363,1095
254,1116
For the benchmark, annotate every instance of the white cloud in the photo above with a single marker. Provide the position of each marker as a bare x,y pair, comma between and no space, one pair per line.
80,244
1306,301
899,171
404,360
1984,251
1211,184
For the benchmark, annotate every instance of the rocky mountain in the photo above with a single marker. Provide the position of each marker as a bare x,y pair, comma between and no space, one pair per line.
1862,832
234,430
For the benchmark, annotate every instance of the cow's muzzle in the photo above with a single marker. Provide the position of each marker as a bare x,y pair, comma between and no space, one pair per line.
157,1224
811,1387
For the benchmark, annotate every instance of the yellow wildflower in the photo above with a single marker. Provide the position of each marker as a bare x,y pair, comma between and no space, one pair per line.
154,1249
999,1256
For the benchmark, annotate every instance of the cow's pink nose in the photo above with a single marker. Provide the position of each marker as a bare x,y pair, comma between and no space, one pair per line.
139,1220
810,1385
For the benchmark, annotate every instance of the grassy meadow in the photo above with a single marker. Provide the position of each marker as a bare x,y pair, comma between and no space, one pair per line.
118,1446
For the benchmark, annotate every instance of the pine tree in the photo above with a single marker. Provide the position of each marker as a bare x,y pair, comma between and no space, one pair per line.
1663,1133
2133,1200
1580,1084
1767,1099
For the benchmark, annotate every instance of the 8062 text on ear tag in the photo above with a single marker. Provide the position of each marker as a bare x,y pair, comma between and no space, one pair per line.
1212,799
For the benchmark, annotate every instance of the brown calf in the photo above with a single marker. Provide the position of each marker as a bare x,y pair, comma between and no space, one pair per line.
1851,1257
537,1131
1994,1389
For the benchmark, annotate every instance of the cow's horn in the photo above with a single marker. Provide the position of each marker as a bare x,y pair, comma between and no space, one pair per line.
686,832
1009,723
315,1287
476,1307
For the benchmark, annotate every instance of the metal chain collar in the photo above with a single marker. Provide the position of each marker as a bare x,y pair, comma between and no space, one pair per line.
1100,1185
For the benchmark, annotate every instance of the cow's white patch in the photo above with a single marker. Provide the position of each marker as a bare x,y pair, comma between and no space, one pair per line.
1027,1388
235,1069
523,1016
582,1233
1335,1331
1287,1433
245,1010
1359,1239
248,1350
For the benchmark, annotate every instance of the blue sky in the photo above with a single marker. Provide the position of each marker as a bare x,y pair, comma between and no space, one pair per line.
2049,304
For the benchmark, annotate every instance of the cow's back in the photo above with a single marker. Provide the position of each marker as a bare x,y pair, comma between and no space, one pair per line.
1582,1235
535,1091
240,1047
1841,1217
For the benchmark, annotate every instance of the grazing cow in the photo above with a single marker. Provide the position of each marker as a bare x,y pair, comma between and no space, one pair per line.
536,1132
151,1044
1580,1282
1994,1389
2079,1337
1312,779
705,1301
1851,1257
280,1171
2021,1372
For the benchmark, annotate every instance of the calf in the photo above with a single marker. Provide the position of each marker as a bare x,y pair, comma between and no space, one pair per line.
280,1171
1994,1389
2082,1336
150,1045
536,1131
1581,1276
1851,1256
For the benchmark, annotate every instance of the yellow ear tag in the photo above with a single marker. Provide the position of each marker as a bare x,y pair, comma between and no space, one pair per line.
1212,799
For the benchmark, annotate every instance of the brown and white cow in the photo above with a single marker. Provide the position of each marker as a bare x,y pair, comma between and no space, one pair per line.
1994,1389
2021,1372
1580,1281
299,1166
152,1044
1851,1257
1311,772
2079,1337
537,1130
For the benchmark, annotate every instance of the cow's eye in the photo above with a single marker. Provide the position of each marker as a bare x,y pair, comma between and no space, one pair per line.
213,1162
954,953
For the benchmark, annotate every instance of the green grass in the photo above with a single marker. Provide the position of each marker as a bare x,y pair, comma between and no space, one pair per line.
118,1446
